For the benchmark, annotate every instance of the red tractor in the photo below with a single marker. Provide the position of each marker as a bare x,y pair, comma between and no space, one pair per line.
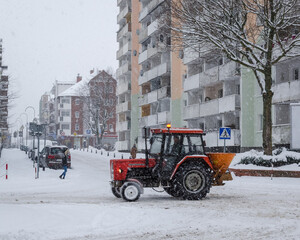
175,161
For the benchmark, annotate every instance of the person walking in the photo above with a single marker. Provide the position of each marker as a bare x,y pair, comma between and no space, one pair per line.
65,164
133,151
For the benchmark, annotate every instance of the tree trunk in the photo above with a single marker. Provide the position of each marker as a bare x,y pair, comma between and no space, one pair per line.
267,114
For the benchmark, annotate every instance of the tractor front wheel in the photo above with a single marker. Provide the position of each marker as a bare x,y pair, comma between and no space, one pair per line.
116,192
193,181
130,191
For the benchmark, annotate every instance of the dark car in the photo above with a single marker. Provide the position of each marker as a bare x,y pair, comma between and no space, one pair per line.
51,156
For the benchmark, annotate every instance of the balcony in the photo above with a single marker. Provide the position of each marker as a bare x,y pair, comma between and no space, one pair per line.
124,31
210,76
123,87
143,100
164,117
155,72
150,52
191,111
124,50
143,34
153,27
229,103
147,9
122,145
209,108
152,97
190,56
123,126
288,91
150,120
163,92
125,68
123,13
123,107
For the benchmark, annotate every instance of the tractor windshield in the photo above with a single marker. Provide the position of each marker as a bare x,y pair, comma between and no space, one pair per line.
156,142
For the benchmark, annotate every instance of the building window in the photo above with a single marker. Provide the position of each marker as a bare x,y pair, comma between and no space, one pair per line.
77,114
220,93
111,129
76,127
65,126
65,113
65,100
296,74
77,101
237,89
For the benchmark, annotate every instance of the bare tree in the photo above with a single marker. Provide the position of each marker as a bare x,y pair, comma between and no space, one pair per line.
99,99
254,33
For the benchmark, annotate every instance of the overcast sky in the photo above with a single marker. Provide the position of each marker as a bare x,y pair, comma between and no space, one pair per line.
48,40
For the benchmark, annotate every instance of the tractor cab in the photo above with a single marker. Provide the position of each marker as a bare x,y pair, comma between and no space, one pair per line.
170,146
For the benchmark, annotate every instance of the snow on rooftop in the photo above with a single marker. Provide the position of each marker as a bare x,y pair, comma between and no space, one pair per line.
75,90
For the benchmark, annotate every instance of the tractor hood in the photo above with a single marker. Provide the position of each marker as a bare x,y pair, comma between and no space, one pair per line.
120,167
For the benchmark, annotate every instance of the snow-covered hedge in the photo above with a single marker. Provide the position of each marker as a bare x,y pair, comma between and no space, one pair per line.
280,158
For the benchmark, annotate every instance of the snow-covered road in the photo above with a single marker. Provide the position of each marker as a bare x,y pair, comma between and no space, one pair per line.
83,207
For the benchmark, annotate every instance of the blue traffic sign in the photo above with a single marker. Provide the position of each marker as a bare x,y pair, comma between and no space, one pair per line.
225,133
88,131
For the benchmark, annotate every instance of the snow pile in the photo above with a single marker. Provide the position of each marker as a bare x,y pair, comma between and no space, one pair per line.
281,157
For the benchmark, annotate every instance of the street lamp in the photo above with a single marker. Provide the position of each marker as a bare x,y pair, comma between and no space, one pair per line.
32,109
26,125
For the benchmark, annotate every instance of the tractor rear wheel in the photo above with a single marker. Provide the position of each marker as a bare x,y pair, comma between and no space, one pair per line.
172,190
116,192
130,191
193,181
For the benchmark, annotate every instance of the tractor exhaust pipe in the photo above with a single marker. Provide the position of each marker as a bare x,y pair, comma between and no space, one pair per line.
146,148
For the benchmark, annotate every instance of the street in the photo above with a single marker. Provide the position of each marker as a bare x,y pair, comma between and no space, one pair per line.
83,207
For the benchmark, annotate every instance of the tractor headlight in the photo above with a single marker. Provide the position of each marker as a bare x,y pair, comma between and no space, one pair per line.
120,170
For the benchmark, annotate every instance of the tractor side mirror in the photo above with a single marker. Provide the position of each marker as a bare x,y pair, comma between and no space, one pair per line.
151,141
204,143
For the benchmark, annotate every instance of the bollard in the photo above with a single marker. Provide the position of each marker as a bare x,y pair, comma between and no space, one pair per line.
101,152
114,155
6,171
91,150
96,151
107,153
122,156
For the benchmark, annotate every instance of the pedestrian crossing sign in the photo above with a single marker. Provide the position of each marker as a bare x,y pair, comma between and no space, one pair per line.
225,133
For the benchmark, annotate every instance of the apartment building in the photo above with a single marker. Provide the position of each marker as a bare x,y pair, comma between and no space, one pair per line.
3,99
146,95
208,91
212,96
124,73
286,101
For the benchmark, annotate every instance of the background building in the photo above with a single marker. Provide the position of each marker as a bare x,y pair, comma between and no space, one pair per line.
3,101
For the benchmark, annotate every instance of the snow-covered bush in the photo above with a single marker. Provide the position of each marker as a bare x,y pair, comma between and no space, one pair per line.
280,158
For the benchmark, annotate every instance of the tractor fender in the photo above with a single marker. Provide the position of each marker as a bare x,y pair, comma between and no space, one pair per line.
140,185
204,158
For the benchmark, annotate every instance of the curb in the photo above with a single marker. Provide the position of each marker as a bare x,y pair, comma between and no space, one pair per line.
265,173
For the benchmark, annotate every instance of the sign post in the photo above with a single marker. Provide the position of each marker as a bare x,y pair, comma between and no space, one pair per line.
225,133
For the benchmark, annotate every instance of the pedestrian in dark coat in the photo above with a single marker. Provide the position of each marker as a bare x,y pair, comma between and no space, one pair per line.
133,151
65,164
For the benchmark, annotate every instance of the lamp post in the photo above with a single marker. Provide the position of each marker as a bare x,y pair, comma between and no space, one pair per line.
18,130
33,144
32,109
26,125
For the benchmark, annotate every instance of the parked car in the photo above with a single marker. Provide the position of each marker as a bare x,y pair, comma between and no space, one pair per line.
51,156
